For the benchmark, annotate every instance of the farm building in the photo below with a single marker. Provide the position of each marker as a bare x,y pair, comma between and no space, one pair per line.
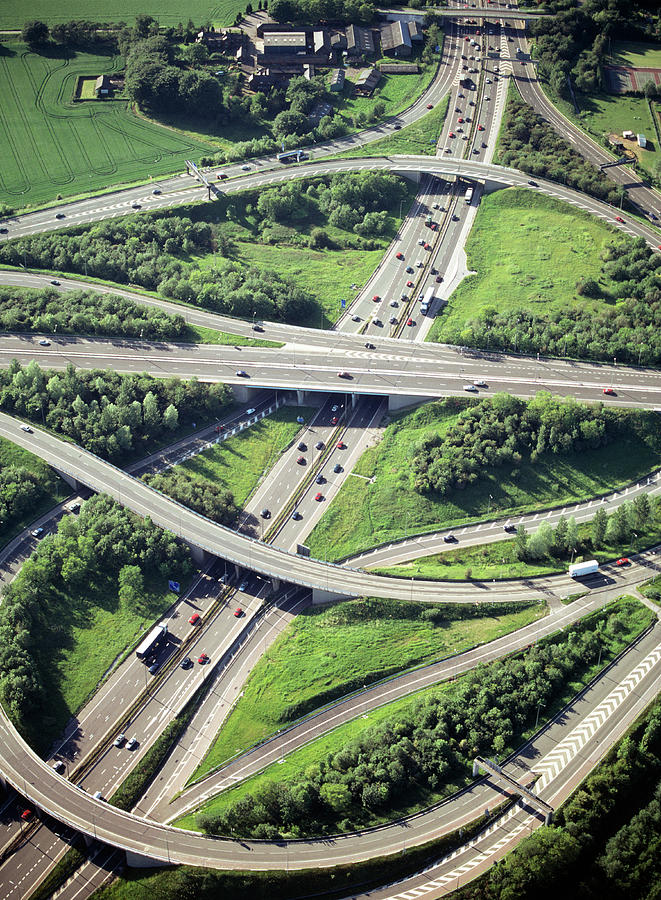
628,135
337,80
399,68
102,86
415,32
395,39
642,141
359,40
286,43
367,81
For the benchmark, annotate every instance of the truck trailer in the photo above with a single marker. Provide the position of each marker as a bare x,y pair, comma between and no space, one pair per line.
152,642
578,570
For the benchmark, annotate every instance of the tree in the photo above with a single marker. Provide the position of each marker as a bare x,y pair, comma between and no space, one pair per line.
540,542
572,540
35,33
641,510
599,523
521,543
131,584
171,417
560,537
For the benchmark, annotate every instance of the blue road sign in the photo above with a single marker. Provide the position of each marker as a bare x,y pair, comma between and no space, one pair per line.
174,586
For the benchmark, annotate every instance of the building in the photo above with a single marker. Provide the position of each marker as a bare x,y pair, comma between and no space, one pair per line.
399,68
225,42
415,32
337,80
359,40
396,40
338,41
285,43
265,27
102,86
642,141
367,81
628,135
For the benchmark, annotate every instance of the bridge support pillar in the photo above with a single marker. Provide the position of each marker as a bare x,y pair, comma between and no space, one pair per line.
70,480
243,394
275,583
137,861
320,596
354,400
398,401
303,398
200,556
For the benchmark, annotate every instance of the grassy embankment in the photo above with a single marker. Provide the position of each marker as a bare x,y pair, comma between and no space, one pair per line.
526,250
57,489
382,506
328,652
294,766
420,137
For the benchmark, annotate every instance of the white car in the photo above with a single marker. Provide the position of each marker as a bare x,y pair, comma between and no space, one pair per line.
419,264
44,342
471,388
246,168
250,411
480,382
26,428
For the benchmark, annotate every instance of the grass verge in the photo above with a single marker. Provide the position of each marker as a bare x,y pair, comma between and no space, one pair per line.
420,137
329,652
383,506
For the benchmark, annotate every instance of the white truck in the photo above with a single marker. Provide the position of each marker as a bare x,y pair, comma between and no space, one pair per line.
578,570
427,300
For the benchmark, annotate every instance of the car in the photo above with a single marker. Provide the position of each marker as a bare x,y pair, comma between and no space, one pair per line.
302,445
55,282
376,298
623,561
484,146
409,284
334,420
156,192
448,150
244,585
355,318
409,321
420,263
427,246
399,255
135,205
449,539
74,507
132,743
369,346
480,382
397,127
59,215
119,740
221,176
439,278
377,322
4,230
27,814
37,532
257,327
194,619
480,127
509,528
532,183
318,496
26,428
319,445
409,269
203,659
436,206
186,663
653,217
392,320
451,134
320,479
225,578
343,374
44,342
395,303
340,445
421,297
337,468
455,218
488,81
464,137
241,374
246,168
265,513
460,120
250,411
296,515
610,392
619,219
335,407
97,795
456,109
471,388
153,669
238,612
300,420
58,767
430,106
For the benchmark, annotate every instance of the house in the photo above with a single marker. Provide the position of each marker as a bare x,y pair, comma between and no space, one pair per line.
359,40
642,141
225,42
265,79
415,32
399,68
367,81
395,39
337,80
102,86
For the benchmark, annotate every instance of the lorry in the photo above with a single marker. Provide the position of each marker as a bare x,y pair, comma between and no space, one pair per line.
427,300
578,570
152,642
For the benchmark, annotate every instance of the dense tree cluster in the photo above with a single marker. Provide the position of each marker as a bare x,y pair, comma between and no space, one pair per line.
46,310
111,415
628,330
426,747
99,544
201,495
528,143
359,12
21,491
139,249
501,431
76,33
606,839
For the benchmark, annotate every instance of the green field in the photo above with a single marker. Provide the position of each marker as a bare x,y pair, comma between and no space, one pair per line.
238,462
296,764
383,506
603,114
55,146
329,651
527,250
57,488
397,92
13,13
635,54
420,137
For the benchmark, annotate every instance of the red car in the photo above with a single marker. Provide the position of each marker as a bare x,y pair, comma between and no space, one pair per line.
460,120
340,445
451,134
409,284
238,612
202,659
427,246
194,619
376,298
433,226
400,256
480,127
467,38
319,496
343,375
409,321
619,219
624,561
26,815
609,391
334,420
430,106
301,460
